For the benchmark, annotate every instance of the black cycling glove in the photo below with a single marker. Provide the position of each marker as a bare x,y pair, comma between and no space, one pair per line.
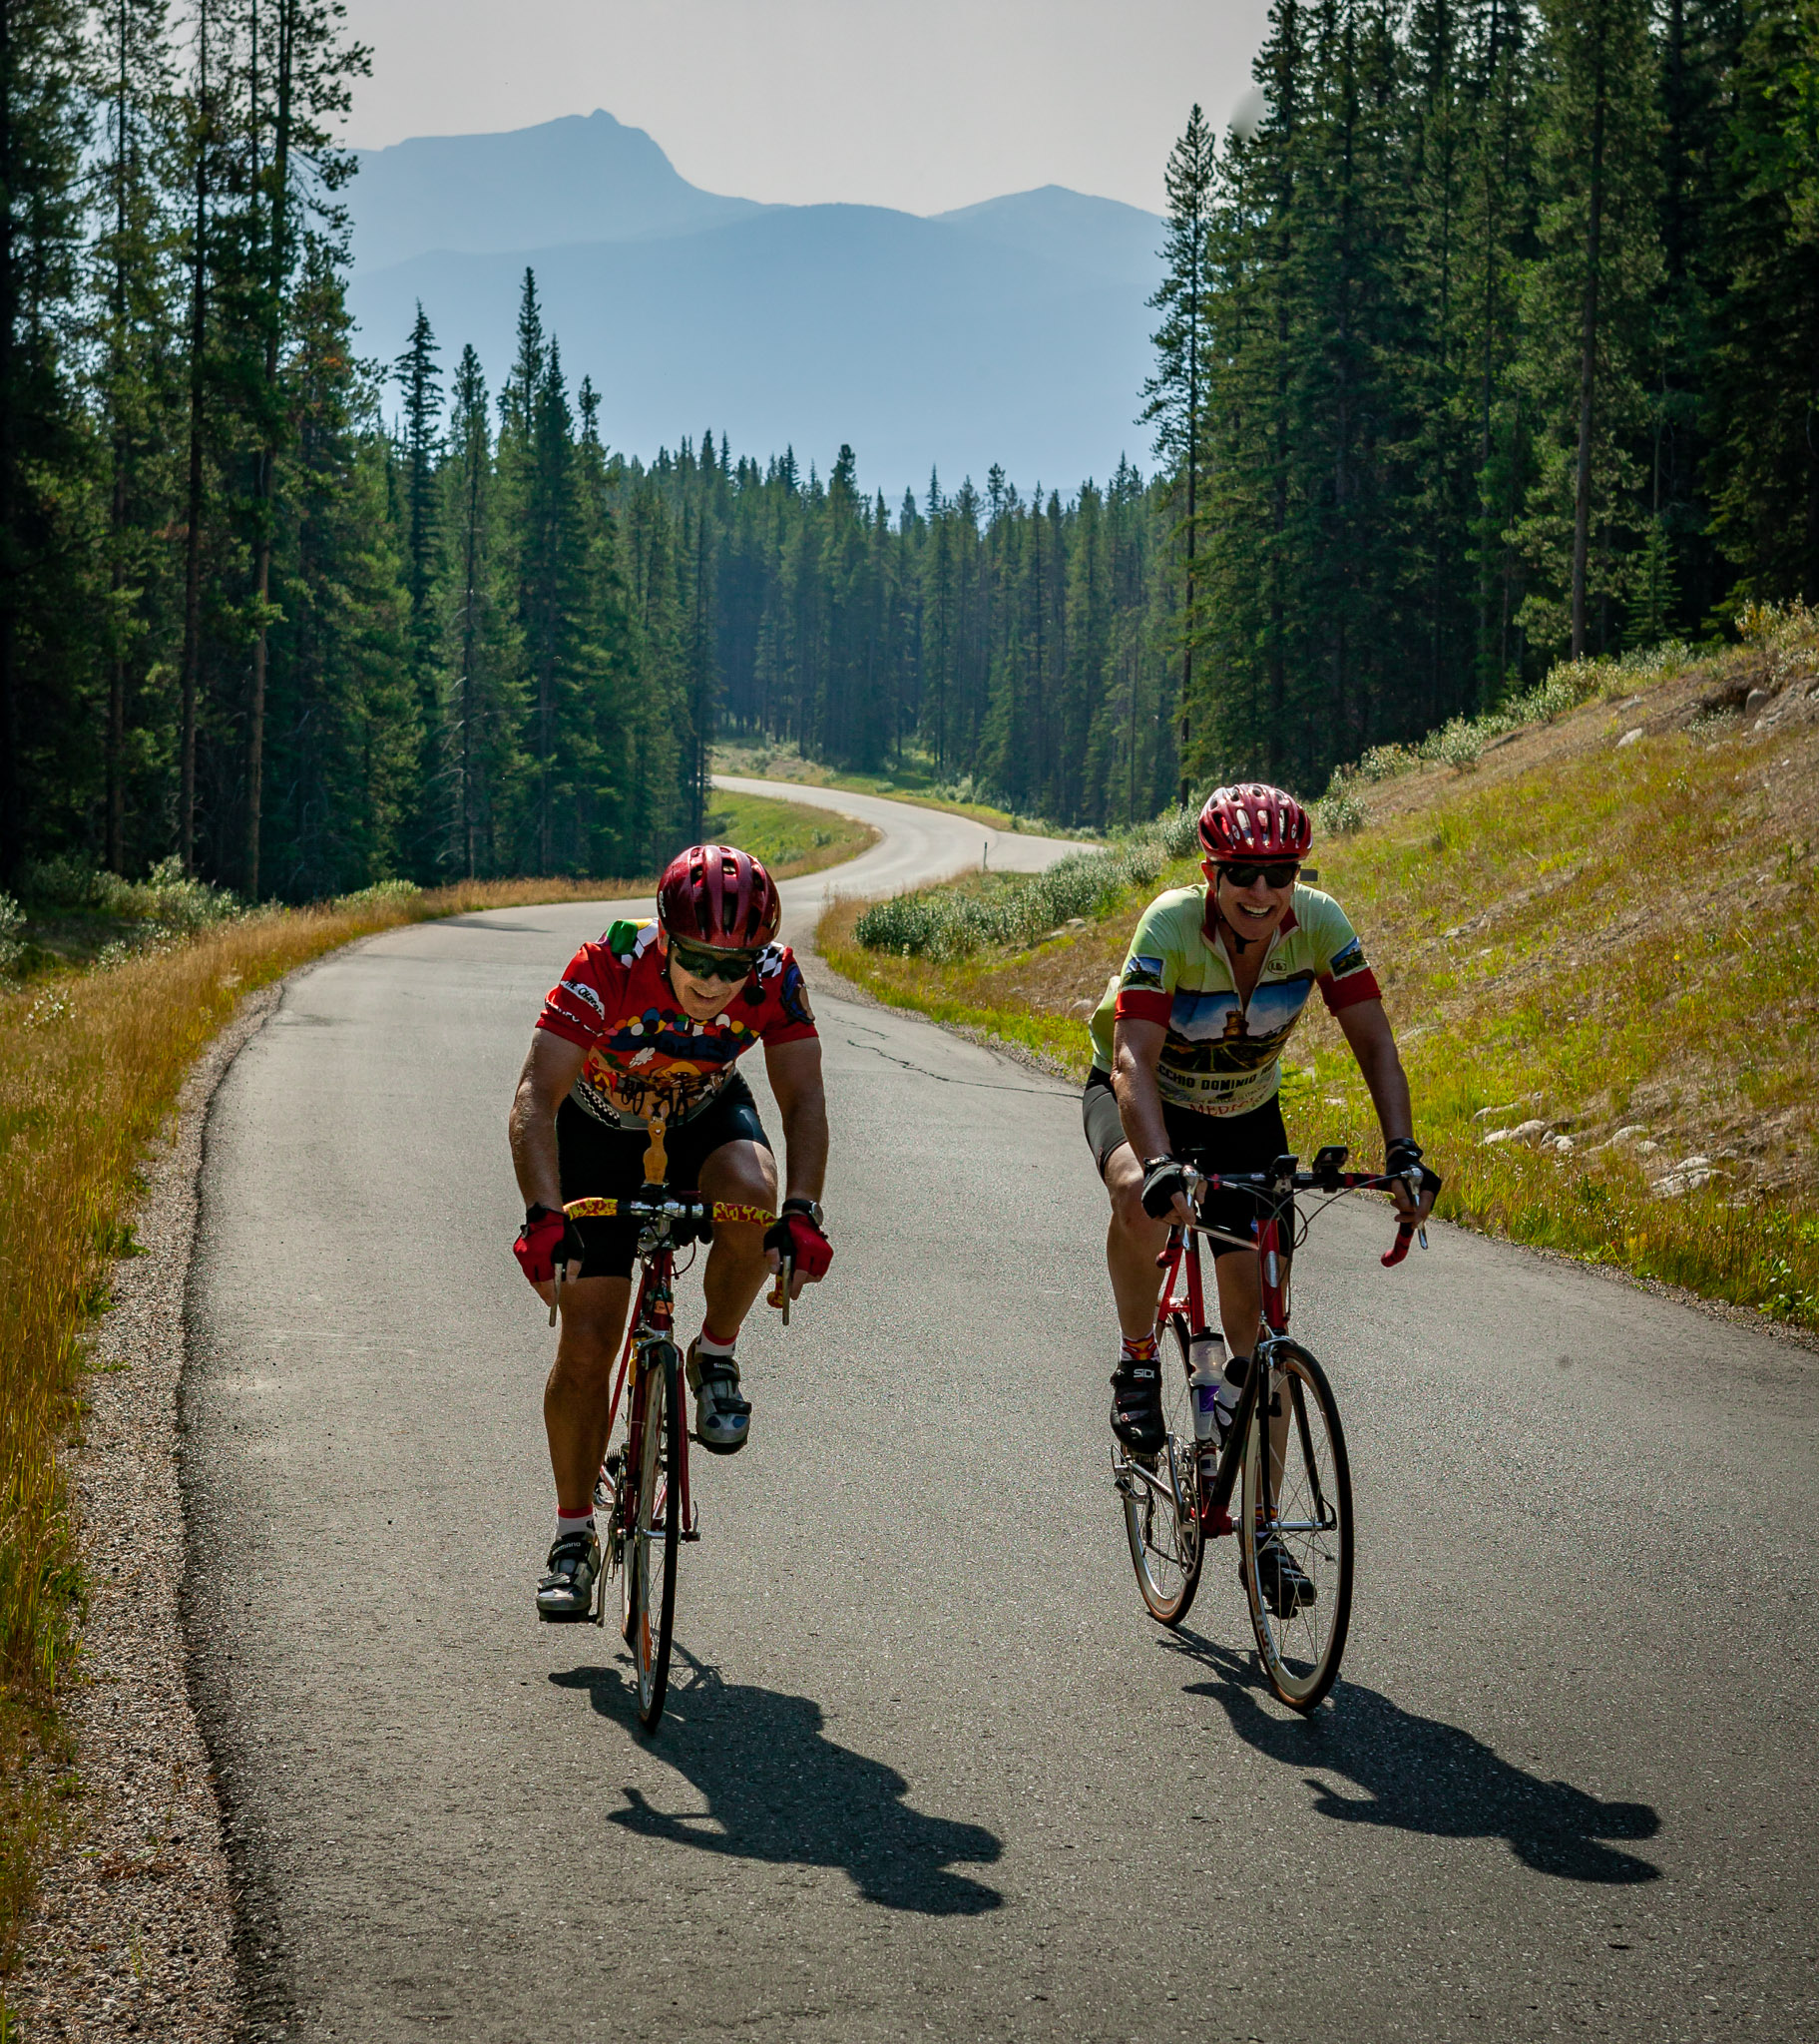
1164,1180
1403,1158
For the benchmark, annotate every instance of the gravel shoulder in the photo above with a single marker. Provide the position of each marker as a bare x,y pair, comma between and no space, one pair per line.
133,1931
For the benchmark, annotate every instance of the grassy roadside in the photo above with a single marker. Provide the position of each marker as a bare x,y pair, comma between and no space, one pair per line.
1599,944
91,1062
909,783
789,837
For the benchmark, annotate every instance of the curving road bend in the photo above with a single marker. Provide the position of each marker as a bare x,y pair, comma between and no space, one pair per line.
928,1770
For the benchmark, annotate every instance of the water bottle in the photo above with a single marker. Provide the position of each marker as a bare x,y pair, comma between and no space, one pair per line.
1206,1352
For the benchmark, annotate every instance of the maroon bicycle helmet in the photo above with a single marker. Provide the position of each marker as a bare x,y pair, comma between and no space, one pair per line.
1253,821
718,894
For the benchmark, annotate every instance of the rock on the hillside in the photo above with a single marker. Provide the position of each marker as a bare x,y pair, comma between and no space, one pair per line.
1524,1131
1756,699
1687,1177
1630,737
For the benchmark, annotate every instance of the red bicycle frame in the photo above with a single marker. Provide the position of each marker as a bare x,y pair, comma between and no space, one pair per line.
652,1319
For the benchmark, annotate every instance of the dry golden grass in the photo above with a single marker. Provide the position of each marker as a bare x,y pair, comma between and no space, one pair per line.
1594,935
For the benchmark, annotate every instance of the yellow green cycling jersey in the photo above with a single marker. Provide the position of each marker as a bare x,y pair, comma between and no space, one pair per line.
1222,1054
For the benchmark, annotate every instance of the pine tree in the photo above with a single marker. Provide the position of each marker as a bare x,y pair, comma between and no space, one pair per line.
1587,300
416,374
43,131
1175,395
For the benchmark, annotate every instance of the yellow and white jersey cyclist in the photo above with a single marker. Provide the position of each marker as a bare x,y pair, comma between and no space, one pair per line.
1187,1056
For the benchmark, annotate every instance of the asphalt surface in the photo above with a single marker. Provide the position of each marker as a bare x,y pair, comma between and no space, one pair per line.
928,1768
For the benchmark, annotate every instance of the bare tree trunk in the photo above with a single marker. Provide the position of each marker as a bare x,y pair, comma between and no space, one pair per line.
192,526
1581,496
12,836
269,453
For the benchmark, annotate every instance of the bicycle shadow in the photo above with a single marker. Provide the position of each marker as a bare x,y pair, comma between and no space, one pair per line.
778,1790
1420,1774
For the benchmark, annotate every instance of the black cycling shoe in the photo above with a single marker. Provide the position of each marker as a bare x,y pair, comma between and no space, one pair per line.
1136,1404
567,1592
1287,1587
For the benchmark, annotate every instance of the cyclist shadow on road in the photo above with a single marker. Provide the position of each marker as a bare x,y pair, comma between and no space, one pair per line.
1420,1774
777,1788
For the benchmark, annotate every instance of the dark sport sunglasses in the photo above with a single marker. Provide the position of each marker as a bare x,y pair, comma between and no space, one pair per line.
1280,875
731,966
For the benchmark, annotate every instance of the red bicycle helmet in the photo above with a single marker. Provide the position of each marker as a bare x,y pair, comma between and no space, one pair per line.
1253,821
718,894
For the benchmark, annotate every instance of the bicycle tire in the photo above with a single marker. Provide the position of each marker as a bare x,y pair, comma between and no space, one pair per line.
1311,1510
1167,1548
657,1532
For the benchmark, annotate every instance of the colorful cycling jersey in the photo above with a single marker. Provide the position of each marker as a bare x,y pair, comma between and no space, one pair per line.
1222,1054
646,1058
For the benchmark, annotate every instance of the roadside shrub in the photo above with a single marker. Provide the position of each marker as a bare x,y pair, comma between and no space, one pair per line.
1456,745
942,924
167,897
1339,812
1384,762
12,922
381,894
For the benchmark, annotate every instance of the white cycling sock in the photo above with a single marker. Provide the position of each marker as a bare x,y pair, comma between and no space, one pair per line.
574,1522
712,1344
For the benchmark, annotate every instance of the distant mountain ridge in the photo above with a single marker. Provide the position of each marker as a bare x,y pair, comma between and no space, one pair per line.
1014,331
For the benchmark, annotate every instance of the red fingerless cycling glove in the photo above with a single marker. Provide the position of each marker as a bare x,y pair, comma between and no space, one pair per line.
548,1238
796,1236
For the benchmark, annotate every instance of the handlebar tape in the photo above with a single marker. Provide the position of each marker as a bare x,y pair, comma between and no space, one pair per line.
721,1210
1405,1233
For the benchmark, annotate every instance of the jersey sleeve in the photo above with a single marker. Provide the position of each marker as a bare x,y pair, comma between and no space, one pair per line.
576,1006
1152,968
784,1015
1344,974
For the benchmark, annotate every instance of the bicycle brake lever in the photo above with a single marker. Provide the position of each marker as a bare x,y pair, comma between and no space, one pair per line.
779,1291
555,1296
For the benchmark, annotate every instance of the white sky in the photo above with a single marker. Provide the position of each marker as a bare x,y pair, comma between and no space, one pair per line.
917,104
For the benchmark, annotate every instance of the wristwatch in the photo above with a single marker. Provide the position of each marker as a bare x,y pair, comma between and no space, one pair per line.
812,1208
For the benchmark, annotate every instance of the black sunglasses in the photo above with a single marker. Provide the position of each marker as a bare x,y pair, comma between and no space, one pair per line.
731,966
1281,875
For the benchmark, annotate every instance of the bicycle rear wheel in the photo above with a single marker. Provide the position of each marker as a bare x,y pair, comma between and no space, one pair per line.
1162,1494
656,1532
1306,1518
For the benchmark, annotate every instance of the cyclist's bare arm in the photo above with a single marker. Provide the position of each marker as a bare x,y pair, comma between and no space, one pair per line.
794,1072
551,1067
1367,1030
1136,1050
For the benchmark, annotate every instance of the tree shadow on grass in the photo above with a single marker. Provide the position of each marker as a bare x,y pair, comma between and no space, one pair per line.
1419,1775
778,1790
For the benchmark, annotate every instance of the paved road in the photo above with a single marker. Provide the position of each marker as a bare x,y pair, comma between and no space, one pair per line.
929,1772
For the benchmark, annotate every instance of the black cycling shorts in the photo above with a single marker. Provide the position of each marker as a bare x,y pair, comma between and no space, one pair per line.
1225,1141
598,1163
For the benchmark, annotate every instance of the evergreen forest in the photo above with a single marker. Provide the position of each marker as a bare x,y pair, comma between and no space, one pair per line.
1484,338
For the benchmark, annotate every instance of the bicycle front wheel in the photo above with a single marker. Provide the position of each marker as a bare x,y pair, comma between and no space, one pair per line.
1162,1494
1295,1530
657,1532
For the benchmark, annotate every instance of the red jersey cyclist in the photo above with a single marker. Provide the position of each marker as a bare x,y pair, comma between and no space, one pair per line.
1186,1049
648,1024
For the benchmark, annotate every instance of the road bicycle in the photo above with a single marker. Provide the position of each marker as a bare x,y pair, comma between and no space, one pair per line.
641,1494
1284,1449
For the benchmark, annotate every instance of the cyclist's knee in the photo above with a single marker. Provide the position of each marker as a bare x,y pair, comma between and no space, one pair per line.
1124,1189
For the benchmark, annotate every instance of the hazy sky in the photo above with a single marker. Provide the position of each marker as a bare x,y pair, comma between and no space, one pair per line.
918,104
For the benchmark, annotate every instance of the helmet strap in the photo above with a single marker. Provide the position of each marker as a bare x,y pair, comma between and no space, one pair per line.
1219,918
